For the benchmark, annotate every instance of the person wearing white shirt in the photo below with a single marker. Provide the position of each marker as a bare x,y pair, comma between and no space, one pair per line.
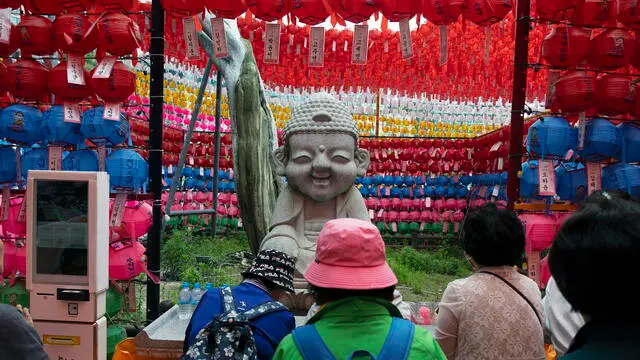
560,320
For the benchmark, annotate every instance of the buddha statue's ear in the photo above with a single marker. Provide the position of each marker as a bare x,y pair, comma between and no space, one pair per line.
280,160
363,159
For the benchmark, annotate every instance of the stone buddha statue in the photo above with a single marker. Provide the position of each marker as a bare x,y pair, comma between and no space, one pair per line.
320,160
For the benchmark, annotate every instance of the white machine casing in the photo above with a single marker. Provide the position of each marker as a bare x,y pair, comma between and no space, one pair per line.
74,341
70,298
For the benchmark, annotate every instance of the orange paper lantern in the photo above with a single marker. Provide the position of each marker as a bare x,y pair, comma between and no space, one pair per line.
65,91
442,12
36,35
486,12
71,32
269,10
612,49
566,46
27,79
228,9
117,88
616,94
310,12
355,11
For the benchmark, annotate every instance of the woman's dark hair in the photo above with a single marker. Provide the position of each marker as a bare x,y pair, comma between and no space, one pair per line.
594,255
493,236
325,295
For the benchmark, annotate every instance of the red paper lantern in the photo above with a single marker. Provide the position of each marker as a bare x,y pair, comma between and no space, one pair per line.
269,10
118,34
575,91
566,46
593,13
612,49
118,5
183,8
555,10
3,78
14,4
442,12
486,12
616,94
396,10
27,79
55,7
36,35
65,91
355,11
71,32
629,13
310,12
229,9
117,88
7,50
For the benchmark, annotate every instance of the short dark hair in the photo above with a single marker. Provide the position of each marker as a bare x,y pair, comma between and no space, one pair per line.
326,295
493,236
594,255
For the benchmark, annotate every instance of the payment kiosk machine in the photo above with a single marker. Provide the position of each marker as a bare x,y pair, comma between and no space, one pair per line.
67,261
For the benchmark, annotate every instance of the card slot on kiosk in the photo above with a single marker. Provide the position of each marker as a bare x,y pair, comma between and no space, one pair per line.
67,265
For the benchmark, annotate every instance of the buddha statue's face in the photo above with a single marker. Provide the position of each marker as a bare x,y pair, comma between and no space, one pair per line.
322,166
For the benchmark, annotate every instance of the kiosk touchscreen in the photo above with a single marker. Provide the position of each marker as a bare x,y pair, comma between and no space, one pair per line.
67,261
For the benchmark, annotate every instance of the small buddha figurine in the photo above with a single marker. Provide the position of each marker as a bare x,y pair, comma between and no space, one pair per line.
320,160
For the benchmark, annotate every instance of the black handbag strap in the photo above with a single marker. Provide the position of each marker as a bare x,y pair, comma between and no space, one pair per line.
517,291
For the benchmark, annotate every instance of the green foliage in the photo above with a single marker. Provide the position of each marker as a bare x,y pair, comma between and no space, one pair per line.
439,262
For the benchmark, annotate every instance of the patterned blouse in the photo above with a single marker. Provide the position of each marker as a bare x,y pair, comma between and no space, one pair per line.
481,317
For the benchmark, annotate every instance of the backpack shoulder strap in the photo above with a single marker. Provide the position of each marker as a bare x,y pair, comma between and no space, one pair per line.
310,344
228,303
399,340
263,309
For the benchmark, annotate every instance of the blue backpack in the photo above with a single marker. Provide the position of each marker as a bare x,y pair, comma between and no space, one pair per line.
396,346
229,335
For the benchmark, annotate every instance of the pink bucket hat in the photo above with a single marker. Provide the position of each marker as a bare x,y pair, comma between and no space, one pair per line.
350,255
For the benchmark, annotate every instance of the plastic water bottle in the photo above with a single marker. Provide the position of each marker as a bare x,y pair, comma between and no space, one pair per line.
196,294
208,286
184,302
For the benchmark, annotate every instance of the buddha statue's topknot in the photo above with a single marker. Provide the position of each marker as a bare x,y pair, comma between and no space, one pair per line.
321,113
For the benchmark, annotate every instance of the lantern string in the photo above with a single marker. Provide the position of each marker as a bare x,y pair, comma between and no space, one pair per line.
551,67
539,21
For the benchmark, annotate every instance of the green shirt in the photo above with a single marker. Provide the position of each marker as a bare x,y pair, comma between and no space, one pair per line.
360,323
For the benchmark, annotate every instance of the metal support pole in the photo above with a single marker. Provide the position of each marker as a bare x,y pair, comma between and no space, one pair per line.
216,153
156,93
189,134
519,97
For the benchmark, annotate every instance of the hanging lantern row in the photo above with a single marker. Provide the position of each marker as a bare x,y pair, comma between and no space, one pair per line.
590,13
51,7
313,12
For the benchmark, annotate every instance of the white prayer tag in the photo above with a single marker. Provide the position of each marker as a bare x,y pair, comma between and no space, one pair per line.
406,43
496,191
582,130
360,49
594,177
239,222
533,266
394,226
22,215
219,38
552,79
372,214
5,26
546,178
55,158
500,164
316,51
75,69
111,111
427,203
71,113
103,71
118,210
444,45
6,199
272,44
102,155
191,39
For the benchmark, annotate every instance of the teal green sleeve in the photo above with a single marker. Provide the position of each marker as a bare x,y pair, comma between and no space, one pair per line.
425,347
287,350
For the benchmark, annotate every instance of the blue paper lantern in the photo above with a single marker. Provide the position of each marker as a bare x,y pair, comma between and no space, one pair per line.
21,124
190,183
232,186
419,192
409,180
406,193
420,180
367,181
187,172
81,160
364,191
602,140
378,180
127,169
529,182
571,180
222,186
57,131
622,177
36,159
551,136
396,192
101,131
388,180
398,180
7,165
630,134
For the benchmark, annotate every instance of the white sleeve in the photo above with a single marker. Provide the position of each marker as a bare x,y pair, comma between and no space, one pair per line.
560,320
